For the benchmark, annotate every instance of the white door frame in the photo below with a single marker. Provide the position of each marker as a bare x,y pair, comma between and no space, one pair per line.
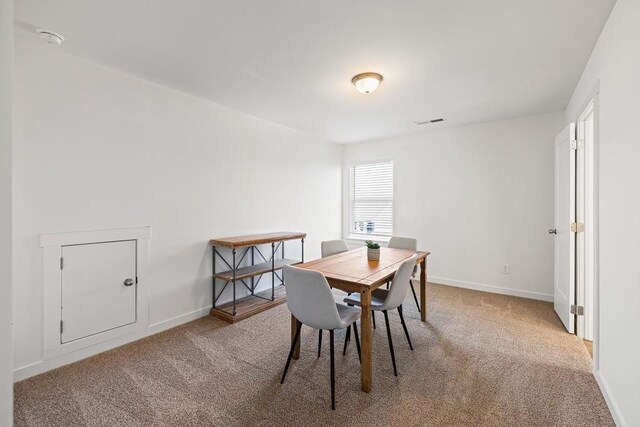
584,215
589,242
52,249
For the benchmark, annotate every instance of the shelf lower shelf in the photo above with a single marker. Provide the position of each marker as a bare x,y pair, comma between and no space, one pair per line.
250,305
254,270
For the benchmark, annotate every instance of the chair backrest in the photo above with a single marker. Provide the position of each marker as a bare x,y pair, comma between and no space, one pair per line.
332,247
400,286
409,243
309,298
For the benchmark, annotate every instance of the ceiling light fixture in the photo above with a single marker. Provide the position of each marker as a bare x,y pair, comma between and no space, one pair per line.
366,82
50,37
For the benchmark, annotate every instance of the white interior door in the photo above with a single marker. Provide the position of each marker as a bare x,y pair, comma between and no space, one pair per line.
98,288
564,243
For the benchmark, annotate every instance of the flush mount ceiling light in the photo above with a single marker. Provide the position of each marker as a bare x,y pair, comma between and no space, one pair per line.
50,37
366,82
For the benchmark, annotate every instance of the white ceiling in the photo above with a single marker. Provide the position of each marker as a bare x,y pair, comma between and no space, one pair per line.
291,61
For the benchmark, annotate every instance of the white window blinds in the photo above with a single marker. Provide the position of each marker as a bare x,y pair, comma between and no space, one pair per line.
371,199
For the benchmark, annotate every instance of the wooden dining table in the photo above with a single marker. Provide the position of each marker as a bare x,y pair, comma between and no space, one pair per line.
351,271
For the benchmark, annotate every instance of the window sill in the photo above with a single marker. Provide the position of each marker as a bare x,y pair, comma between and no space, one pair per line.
359,239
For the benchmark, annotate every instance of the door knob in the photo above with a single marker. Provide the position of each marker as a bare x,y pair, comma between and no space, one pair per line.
552,231
128,282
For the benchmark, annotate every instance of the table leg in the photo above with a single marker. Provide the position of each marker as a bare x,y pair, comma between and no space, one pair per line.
423,290
294,327
366,341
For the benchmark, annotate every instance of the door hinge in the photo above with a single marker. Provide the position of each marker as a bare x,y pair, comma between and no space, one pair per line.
61,326
136,280
578,310
574,145
572,133
577,227
61,263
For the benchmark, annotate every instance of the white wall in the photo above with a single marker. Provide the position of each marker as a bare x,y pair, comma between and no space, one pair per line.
615,62
97,149
477,197
6,61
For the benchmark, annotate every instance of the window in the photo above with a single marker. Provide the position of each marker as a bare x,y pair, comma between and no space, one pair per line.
371,199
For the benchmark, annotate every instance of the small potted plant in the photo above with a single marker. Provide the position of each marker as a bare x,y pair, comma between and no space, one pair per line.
373,250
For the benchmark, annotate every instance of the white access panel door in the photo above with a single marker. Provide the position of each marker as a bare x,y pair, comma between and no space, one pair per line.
98,288
564,243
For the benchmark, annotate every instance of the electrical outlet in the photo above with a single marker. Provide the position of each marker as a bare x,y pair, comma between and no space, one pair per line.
505,269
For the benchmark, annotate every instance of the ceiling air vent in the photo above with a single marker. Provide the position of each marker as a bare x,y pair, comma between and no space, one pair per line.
428,122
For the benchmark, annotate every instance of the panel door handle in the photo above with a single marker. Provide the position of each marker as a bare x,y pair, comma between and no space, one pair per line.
552,231
128,282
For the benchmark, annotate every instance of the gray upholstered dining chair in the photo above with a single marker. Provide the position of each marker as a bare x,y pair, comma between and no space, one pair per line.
411,244
332,247
328,248
311,302
390,299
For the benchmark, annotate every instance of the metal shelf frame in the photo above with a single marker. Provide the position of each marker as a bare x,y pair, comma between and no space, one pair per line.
250,275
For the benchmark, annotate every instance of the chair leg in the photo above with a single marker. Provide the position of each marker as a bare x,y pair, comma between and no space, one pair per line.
346,340
293,346
319,341
355,334
415,297
333,373
406,331
393,356
348,337
373,316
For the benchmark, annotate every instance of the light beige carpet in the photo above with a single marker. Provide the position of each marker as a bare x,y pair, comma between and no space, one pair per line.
481,360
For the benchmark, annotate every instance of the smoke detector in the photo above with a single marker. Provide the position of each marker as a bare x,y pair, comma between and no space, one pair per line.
50,37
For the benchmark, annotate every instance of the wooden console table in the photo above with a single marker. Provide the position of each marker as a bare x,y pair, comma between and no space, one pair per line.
256,302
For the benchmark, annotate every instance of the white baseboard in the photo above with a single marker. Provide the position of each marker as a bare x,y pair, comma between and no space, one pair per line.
611,403
45,365
154,328
42,366
491,289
